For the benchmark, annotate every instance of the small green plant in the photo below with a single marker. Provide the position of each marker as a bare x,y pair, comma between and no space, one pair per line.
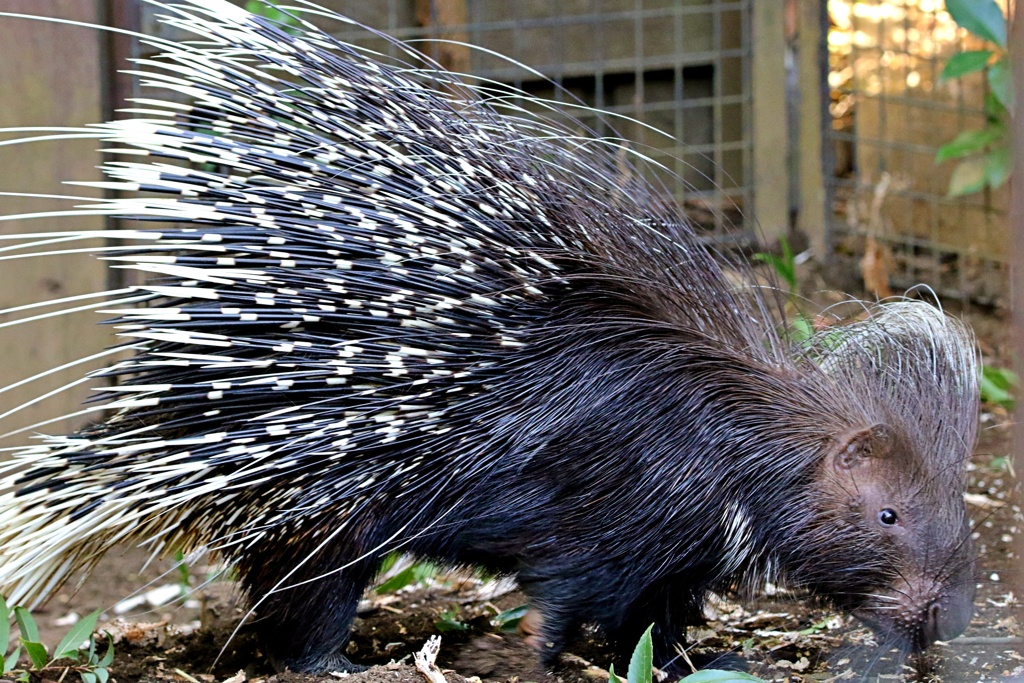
799,328
268,11
998,385
67,657
985,153
641,664
449,622
784,265
184,578
414,573
641,668
716,676
816,628
510,618
1002,463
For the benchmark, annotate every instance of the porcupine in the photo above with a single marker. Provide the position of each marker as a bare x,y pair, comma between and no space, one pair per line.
393,313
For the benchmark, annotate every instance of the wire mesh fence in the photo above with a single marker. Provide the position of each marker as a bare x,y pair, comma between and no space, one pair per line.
890,114
672,76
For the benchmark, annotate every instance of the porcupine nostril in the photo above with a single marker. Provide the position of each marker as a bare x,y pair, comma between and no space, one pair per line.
945,620
930,624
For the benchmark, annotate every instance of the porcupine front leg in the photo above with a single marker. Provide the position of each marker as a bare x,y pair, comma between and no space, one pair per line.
554,614
547,630
664,606
562,598
669,605
305,619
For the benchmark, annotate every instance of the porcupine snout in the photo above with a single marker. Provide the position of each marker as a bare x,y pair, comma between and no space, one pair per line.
946,617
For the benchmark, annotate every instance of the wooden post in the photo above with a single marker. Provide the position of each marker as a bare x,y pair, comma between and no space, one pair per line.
813,216
119,88
446,20
771,177
1016,253
50,76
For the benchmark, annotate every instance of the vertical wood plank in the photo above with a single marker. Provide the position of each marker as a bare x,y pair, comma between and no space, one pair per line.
771,177
446,20
813,210
50,76
1016,246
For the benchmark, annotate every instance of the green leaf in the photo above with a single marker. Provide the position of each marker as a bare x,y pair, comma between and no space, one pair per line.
641,664
1004,377
108,656
27,624
270,12
1001,83
983,18
12,660
994,109
184,580
990,393
612,678
450,626
24,677
424,570
449,622
784,266
388,562
816,627
969,176
411,574
88,676
510,618
5,626
801,329
399,580
1000,463
970,142
102,674
963,63
997,385
36,652
79,633
716,676
998,165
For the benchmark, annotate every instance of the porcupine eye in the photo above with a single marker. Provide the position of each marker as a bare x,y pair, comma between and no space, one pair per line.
887,517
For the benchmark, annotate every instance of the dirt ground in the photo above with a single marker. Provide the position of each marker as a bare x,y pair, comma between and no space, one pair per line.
190,639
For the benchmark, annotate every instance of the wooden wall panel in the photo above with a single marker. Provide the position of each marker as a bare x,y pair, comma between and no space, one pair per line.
50,75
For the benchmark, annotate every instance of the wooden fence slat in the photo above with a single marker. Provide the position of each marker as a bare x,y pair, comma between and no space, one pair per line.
813,218
49,76
771,176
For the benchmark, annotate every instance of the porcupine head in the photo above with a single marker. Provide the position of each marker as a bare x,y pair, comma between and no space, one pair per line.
888,538
389,303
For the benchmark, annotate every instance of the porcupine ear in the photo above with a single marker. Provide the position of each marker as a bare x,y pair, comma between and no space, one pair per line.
854,447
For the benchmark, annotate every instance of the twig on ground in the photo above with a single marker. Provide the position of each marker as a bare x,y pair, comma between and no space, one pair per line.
425,658
187,677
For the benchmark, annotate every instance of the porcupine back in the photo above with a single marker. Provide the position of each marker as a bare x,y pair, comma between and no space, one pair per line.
389,312
372,243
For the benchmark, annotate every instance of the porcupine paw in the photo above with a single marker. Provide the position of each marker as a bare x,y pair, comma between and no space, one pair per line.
334,662
545,636
531,627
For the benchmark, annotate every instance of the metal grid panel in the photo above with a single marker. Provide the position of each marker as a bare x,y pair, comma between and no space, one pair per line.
890,115
679,66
